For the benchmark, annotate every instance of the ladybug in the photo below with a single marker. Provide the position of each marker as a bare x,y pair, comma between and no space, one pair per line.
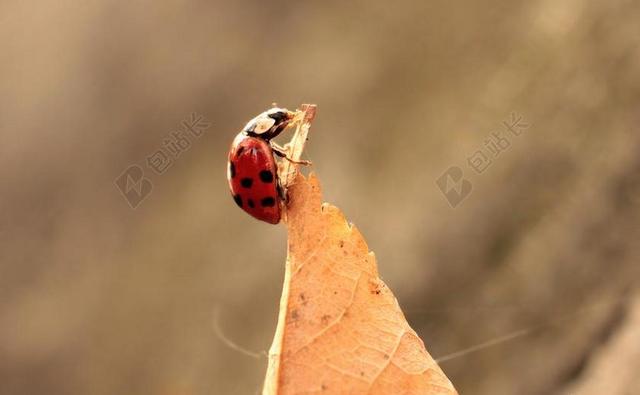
252,170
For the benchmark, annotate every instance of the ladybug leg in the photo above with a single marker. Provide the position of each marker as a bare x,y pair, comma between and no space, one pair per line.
282,153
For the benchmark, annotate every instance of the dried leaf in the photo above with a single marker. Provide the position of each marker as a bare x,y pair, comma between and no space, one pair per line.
340,329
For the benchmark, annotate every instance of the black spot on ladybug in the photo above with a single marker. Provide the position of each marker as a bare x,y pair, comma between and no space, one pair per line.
246,182
232,169
238,200
294,315
324,387
239,151
268,202
266,176
250,203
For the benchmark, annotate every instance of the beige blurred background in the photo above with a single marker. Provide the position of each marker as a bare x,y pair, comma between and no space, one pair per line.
534,273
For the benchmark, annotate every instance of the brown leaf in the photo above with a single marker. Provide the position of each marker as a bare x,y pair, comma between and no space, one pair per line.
340,329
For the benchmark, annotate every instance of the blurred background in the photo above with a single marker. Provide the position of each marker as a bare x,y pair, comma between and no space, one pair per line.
527,286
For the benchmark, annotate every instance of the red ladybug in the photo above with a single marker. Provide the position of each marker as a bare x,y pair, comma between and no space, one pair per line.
252,170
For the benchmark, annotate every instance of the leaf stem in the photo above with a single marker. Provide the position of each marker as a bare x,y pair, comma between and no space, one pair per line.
303,119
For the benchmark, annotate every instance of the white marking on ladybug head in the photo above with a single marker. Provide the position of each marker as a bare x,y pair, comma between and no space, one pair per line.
239,137
269,123
276,110
263,123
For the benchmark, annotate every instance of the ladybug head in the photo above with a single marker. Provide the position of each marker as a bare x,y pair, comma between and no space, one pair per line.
269,124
